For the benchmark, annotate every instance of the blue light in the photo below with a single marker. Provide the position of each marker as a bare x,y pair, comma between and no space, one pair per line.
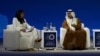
3,23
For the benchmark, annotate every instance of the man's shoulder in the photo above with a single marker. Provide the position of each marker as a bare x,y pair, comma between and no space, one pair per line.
65,19
77,18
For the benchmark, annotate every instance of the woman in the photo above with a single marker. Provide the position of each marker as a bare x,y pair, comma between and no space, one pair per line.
29,35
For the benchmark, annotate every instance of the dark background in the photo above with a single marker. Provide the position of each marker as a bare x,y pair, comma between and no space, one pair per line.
39,12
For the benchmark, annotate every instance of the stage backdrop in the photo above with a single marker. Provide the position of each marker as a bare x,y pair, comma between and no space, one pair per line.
39,12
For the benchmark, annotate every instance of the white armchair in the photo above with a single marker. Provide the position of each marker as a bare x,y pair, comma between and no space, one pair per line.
63,32
12,39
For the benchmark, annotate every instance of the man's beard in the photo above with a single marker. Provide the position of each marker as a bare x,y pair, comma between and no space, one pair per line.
68,17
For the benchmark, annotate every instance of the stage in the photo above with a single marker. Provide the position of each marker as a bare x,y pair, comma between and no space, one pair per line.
57,52
51,53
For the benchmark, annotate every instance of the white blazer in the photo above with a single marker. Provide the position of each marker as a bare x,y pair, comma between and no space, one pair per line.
19,26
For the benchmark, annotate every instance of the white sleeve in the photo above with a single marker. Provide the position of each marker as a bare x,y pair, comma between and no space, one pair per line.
15,24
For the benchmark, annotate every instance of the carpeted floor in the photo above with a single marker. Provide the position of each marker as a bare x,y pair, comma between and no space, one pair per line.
57,52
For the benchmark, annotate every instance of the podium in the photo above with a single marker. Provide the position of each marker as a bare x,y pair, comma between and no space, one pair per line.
49,39
96,38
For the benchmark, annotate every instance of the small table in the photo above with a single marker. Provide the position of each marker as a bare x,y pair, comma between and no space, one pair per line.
49,39
96,38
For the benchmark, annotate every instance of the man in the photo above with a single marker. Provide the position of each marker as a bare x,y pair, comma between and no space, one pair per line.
75,37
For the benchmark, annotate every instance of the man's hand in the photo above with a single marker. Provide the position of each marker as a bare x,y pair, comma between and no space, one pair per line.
68,29
23,30
73,25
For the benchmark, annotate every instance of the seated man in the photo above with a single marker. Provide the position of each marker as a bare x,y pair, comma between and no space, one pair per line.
75,37
25,29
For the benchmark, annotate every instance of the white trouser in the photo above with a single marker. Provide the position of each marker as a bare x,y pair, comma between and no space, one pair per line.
28,39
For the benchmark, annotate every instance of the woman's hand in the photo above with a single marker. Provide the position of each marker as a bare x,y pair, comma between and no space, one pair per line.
31,29
38,40
23,30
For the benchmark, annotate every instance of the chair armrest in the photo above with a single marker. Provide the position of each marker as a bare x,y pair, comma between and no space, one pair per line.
88,41
39,33
62,35
10,27
82,25
11,38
